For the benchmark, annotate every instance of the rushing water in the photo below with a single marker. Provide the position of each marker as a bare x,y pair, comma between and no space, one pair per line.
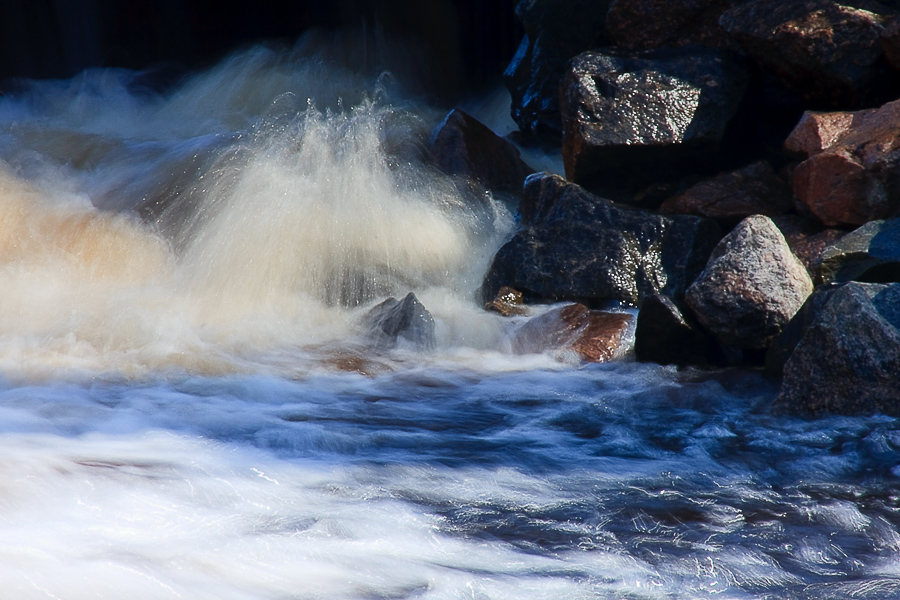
190,408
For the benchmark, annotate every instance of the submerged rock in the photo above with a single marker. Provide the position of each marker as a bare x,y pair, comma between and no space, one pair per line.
754,190
847,355
462,145
592,335
828,52
870,254
664,335
627,117
751,287
578,246
394,319
852,171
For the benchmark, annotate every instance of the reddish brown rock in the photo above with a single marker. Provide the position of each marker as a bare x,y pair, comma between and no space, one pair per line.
851,174
462,145
508,302
807,239
828,52
592,335
649,24
730,197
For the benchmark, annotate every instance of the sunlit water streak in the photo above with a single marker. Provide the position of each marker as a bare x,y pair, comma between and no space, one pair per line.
183,277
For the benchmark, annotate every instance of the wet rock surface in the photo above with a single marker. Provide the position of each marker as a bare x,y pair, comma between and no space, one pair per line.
751,288
508,302
847,358
394,321
652,115
664,335
590,335
581,247
869,254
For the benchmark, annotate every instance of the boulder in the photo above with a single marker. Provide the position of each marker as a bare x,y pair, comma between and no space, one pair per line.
828,52
555,31
664,335
754,190
870,254
751,287
852,171
461,145
650,24
394,319
580,247
808,238
592,335
847,358
628,119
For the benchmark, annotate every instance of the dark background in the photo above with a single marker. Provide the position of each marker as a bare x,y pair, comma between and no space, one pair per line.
460,46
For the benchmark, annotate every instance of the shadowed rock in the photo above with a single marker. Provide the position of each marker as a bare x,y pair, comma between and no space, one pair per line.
847,357
664,335
592,335
828,52
629,119
754,190
394,319
577,246
462,145
649,24
751,287
870,253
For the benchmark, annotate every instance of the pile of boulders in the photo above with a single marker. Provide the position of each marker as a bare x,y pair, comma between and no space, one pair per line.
732,170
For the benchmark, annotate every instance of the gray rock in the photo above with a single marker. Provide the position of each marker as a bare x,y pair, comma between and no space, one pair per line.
394,319
649,116
871,254
751,287
847,360
577,246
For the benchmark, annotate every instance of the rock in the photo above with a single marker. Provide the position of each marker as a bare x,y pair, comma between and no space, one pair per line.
828,52
870,254
852,173
593,335
394,319
508,302
637,118
847,360
555,31
580,247
807,238
462,145
664,335
650,24
730,197
751,287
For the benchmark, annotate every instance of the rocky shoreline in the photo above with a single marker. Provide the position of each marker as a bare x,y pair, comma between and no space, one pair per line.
732,170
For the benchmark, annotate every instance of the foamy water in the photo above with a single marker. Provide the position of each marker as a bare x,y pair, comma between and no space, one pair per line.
190,409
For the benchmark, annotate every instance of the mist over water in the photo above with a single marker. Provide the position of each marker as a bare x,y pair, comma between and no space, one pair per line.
189,407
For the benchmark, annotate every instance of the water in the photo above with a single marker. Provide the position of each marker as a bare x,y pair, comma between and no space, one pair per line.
189,407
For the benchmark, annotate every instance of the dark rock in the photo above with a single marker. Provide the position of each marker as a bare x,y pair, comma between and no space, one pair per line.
508,302
629,119
462,145
754,190
847,360
828,52
592,335
852,173
555,31
664,335
808,239
751,287
577,246
870,254
649,24
394,319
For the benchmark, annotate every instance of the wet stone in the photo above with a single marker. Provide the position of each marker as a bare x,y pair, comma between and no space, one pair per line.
591,335
508,302
394,320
